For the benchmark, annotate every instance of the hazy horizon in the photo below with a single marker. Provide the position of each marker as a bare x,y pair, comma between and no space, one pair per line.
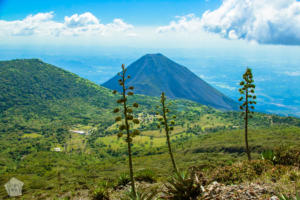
215,39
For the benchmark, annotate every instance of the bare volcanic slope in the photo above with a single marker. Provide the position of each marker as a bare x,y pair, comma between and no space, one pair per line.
154,73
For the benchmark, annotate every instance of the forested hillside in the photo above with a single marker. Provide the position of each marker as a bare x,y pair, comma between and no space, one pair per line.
44,107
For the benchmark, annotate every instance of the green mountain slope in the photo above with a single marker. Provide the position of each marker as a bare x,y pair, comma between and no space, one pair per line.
40,98
154,73
40,103
35,95
29,82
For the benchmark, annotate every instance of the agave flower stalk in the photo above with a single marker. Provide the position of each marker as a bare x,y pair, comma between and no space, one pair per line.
168,127
127,120
248,99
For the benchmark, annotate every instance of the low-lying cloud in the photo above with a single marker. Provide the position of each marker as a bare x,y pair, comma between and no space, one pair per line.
295,73
42,24
261,21
187,23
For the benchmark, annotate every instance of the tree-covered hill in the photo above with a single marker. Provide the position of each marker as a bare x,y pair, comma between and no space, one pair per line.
30,82
37,97
41,104
35,94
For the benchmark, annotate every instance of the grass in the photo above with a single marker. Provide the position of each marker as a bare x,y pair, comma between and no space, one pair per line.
31,135
76,143
40,171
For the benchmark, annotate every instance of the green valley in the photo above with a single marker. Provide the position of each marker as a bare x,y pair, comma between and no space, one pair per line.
43,108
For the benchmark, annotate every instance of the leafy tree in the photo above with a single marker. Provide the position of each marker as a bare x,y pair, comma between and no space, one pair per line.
168,127
248,99
127,119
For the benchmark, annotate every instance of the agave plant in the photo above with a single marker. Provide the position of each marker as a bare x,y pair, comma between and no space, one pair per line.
285,197
268,155
142,194
183,186
123,179
100,194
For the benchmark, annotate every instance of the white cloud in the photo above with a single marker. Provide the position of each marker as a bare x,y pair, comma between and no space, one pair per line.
42,24
187,23
32,24
257,21
263,21
296,73
82,20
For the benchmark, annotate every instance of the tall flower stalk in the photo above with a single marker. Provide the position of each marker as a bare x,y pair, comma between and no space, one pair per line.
126,119
248,101
168,126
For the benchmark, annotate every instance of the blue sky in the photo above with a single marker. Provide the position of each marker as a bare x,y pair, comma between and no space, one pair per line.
137,12
216,39
155,23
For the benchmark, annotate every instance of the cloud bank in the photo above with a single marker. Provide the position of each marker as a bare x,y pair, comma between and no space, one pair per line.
187,23
42,24
259,21
263,21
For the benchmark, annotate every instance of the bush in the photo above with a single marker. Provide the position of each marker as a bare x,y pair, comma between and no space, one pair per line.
287,156
183,186
141,194
38,183
146,175
240,172
269,155
123,179
100,194
285,197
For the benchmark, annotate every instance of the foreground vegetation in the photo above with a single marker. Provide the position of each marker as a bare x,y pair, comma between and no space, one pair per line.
57,173
36,118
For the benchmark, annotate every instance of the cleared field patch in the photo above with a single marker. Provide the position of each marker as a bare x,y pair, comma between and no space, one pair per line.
31,135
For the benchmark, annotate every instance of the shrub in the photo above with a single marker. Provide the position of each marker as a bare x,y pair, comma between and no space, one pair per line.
285,197
277,172
38,183
100,194
293,176
287,156
183,186
240,172
141,194
146,175
269,155
123,179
